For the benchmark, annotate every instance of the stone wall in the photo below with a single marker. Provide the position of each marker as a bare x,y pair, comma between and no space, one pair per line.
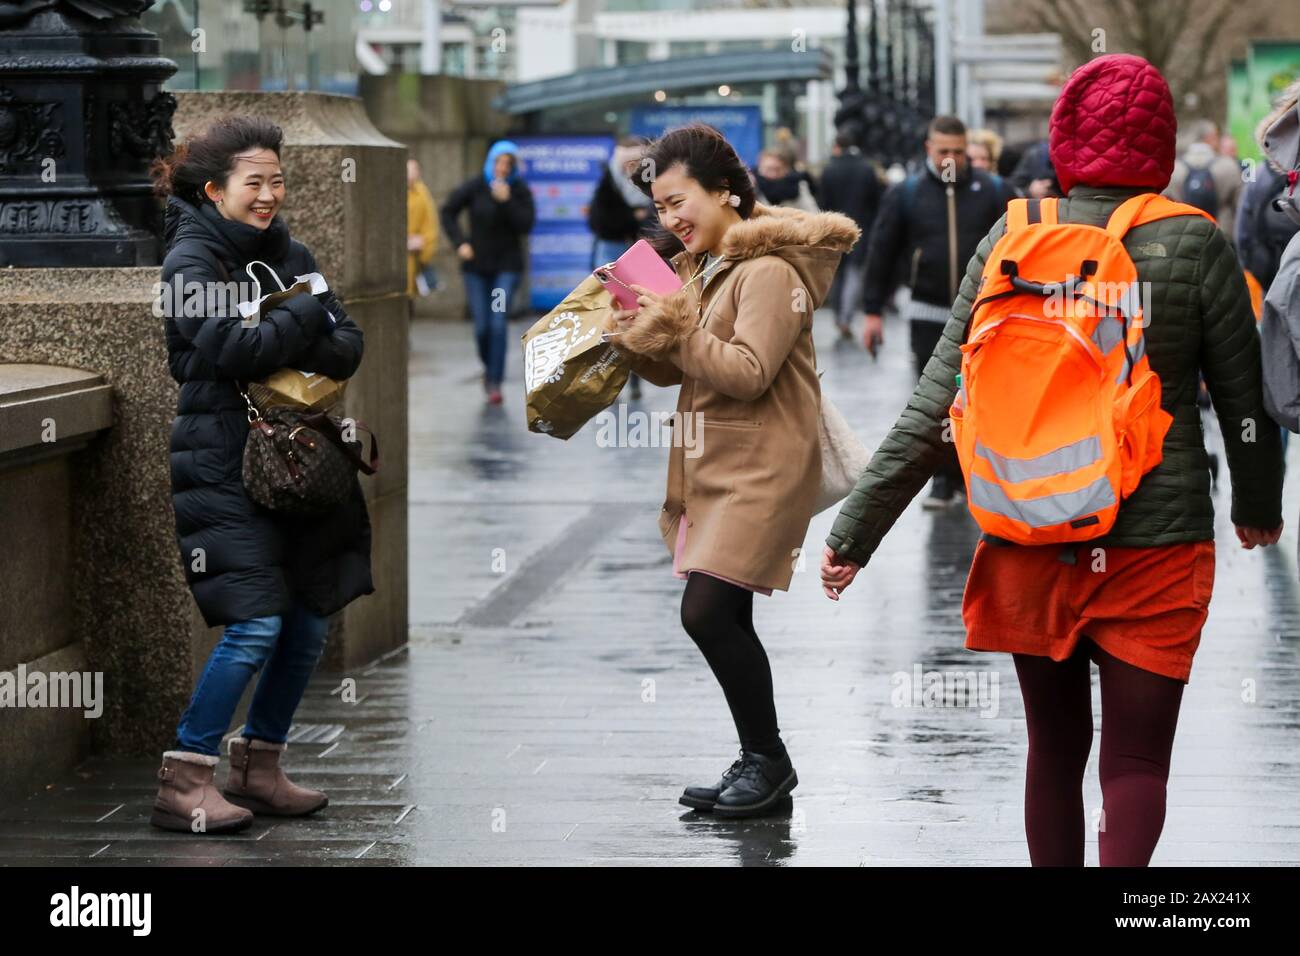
50,419
129,603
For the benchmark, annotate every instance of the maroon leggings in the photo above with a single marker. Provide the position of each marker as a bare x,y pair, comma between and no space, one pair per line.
1139,712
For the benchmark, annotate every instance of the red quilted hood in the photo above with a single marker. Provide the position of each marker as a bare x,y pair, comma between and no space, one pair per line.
1114,125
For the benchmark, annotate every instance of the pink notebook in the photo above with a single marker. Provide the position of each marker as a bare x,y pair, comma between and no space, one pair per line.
641,266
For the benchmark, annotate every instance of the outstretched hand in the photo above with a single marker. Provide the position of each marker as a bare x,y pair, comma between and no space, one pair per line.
837,573
1250,537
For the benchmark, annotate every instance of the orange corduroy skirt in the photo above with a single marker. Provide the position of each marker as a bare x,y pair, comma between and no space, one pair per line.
1145,606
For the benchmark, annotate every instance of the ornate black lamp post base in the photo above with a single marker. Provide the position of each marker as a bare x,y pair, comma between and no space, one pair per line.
82,115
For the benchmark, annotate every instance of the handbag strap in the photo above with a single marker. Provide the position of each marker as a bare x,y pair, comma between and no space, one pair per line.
253,414
248,267
330,429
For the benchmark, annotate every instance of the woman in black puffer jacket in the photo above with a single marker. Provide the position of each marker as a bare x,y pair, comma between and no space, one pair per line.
272,581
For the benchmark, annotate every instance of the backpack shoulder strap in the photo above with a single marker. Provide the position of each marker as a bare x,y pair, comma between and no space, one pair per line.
1028,212
1017,215
1162,207
1147,207
908,194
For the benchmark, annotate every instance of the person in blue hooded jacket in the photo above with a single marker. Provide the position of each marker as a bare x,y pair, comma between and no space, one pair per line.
500,207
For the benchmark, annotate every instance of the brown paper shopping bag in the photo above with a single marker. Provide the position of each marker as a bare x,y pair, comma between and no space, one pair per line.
570,374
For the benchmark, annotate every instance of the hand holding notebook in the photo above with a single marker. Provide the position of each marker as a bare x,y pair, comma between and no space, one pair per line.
640,266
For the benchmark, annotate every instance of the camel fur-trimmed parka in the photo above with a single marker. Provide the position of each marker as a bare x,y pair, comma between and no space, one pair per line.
750,402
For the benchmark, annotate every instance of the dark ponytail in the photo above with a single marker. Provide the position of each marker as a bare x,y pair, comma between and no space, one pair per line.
707,158
211,156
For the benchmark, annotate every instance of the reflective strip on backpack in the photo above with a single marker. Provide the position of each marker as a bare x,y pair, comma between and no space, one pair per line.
1108,333
1135,354
1059,461
1045,511
1130,303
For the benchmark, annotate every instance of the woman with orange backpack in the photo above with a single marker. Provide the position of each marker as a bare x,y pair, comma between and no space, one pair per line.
1076,423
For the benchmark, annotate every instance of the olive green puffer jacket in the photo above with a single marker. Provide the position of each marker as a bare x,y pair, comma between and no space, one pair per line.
1200,320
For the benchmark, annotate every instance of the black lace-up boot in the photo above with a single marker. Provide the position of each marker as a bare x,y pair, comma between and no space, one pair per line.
761,784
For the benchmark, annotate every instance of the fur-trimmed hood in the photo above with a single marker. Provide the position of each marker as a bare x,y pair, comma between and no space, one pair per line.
812,242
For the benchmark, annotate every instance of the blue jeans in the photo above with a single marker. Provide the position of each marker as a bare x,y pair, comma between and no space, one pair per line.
607,250
489,302
284,649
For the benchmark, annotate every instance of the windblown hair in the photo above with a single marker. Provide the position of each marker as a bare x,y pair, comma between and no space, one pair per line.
210,156
707,158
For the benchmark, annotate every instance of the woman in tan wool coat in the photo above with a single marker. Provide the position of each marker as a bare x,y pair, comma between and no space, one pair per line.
744,473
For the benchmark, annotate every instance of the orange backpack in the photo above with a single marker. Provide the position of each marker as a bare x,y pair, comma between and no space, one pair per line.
1057,415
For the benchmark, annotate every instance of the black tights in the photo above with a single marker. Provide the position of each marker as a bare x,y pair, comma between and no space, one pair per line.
1139,713
719,617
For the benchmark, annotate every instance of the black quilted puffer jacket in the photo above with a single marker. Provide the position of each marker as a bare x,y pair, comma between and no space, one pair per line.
1200,322
256,563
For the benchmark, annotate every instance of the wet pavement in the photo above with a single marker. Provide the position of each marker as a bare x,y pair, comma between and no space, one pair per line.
549,708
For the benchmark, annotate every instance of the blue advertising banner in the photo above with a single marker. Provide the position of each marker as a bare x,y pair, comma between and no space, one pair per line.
563,172
742,125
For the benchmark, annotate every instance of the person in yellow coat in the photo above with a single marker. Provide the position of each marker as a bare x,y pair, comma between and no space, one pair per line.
421,228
